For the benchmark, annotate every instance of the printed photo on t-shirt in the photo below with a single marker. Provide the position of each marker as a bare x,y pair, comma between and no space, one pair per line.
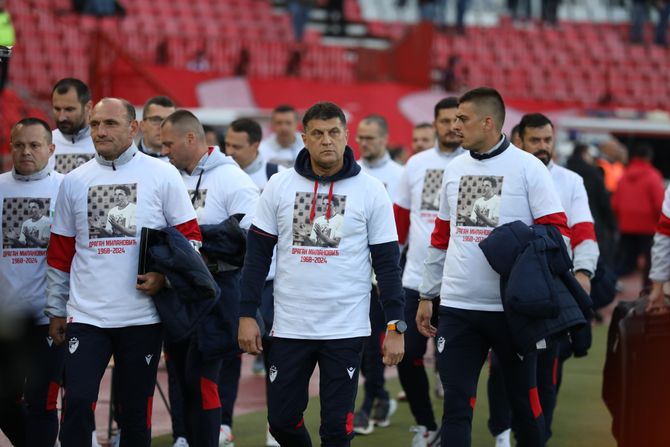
26,222
67,162
432,185
198,199
325,230
479,201
112,210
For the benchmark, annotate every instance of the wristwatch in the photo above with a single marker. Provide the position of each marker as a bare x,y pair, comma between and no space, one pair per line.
588,273
398,326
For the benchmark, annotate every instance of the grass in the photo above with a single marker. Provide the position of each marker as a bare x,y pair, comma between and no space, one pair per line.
580,420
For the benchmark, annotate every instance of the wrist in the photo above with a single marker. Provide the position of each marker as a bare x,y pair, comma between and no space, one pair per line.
585,272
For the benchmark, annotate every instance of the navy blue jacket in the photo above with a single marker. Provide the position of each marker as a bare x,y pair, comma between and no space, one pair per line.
193,292
540,295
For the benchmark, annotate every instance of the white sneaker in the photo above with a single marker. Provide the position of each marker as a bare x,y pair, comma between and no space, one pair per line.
226,438
502,440
94,439
180,442
424,437
270,440
116,439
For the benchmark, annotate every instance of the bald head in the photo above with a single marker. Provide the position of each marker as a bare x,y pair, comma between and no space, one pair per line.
183,140
113,127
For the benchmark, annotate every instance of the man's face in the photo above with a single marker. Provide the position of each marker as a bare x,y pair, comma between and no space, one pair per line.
79,161
176,146
151,125
34,210
488,189
325,141
30,150
444,129
422,138
238,147
370,140
284,125
539,141
70,114
120,197
111,129
470,127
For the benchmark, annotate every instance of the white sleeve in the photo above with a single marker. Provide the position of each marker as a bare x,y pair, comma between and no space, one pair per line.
381,223
244,200
542,197
660,258
585,255
64,222
433,268
444,212
403,192
265,216
177,206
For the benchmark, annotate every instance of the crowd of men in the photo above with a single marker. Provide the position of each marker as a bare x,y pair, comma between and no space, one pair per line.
351,265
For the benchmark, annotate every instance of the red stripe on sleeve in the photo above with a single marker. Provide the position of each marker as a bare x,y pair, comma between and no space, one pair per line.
583,231
559,220
441,234
401,222
663,226
190,230
60,252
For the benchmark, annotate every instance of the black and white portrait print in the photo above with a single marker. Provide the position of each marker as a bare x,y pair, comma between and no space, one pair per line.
318,223
479,201
26,222
112,210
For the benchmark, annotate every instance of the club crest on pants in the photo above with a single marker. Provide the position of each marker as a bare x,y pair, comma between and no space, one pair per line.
273,373
50,341
73,345
440,345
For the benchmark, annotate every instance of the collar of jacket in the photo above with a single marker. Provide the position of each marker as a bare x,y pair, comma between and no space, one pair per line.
79,135
145,150
498,149
255,165
122,159
39,175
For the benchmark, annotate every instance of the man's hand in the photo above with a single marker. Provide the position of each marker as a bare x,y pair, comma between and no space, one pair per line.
423,315
150,283
394,348
584,281
249,336
656,303
57,328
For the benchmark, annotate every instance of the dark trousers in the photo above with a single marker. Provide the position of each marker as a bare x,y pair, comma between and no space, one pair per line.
411,371
464,338
136,351
229,381
500,413
373,364
631,246
292,363
197,378
175,392
33,369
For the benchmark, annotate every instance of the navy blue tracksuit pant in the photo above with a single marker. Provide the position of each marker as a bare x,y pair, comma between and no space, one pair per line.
463,340
136,351
373,364
500,411
292,363
411,370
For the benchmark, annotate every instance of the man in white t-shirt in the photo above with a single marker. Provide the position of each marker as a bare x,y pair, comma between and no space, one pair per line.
98,316
536,133
415,208
222,190
471,318
71,105
285,142
321,294
32,366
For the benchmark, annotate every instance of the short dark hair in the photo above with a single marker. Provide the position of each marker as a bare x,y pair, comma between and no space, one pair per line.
580,149
515,130
285,108
64,85
248,126
450,102
533,120
642,150
424,125
186,119
380,121
130,109
323,111
162,101
39,203
489,98
494,182
32,121
123,188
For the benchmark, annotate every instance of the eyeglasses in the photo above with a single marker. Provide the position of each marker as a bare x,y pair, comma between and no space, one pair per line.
153,119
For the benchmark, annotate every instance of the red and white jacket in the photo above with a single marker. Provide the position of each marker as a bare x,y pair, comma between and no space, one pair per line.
660,252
